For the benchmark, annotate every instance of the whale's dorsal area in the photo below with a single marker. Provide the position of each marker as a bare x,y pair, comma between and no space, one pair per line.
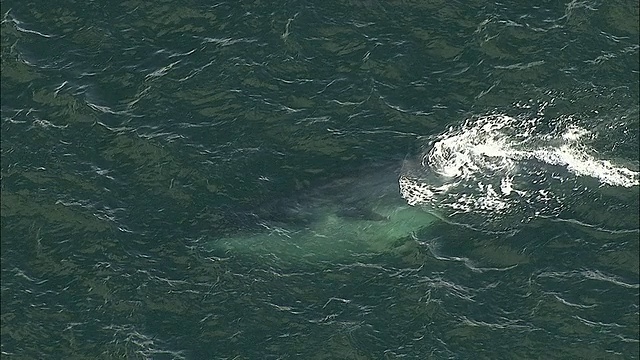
349,218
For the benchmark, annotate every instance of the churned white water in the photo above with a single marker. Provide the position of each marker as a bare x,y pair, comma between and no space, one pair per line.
509,169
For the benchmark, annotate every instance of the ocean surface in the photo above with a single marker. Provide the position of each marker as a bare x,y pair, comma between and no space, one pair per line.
320,180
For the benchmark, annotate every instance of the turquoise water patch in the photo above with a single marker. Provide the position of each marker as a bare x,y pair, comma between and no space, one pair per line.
331,238
345,220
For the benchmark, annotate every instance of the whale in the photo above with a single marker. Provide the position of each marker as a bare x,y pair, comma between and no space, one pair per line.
348,219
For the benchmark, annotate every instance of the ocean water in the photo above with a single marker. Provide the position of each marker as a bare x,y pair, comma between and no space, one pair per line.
320,180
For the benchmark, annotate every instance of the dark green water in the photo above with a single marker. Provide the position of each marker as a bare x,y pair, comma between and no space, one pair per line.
196,180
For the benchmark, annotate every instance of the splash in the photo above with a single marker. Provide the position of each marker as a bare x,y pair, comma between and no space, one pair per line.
501,170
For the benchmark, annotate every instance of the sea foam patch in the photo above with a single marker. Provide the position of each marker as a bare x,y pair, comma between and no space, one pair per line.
504,170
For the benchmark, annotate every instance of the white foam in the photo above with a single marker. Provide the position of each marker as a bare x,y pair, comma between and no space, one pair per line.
500,165
583,164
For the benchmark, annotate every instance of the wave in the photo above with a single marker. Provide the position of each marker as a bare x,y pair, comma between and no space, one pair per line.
497,171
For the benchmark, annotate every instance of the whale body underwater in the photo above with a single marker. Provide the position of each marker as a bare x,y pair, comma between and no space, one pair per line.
346,220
